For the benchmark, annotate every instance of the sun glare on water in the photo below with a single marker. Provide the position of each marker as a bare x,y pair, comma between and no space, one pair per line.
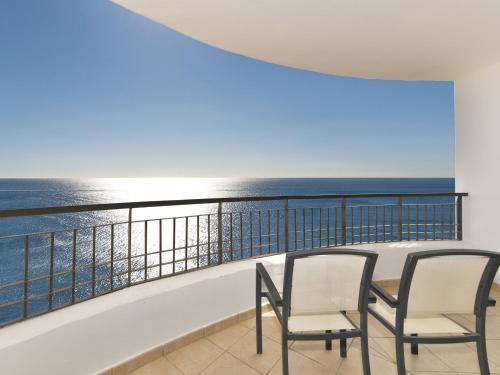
159,189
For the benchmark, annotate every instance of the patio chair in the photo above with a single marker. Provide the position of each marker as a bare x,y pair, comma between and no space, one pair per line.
319,288
434,285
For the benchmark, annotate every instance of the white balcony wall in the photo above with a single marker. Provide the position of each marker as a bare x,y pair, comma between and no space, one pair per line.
477,162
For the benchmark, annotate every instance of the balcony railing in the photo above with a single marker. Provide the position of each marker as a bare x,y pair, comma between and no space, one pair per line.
44,271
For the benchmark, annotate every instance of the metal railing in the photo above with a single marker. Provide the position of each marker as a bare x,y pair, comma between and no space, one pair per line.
53,269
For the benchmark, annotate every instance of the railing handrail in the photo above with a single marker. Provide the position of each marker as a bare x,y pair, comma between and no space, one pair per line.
19,212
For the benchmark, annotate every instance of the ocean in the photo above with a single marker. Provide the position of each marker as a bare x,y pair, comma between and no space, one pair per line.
30,193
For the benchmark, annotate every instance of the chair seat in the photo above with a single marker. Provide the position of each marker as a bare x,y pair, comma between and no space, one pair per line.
424,324
323,322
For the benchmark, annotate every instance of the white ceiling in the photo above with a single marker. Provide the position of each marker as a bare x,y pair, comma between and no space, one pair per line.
391,39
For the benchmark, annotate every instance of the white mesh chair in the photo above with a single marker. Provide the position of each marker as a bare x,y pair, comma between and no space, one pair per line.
319,287
435,284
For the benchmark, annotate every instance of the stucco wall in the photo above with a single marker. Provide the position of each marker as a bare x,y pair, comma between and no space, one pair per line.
477,162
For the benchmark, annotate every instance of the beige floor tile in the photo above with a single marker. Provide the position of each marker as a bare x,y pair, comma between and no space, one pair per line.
269,321
226,364
493,347
195,357
374,348
458,357
183,341
245,350
221,325
271,327
375,328
424,361
229,336
466,320
352,365
249,323
493,327
316,351
160,366
301,365
494,310
206,355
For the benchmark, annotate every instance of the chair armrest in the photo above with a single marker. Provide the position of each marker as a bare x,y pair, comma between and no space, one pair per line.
384,295
272,293
491,302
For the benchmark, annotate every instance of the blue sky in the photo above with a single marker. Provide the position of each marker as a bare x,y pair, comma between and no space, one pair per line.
88,89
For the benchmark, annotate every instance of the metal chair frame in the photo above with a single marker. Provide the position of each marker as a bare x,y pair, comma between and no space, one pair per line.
274,298
482,301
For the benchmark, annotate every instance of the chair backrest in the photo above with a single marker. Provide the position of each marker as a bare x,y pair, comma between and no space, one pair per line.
446,281
325,281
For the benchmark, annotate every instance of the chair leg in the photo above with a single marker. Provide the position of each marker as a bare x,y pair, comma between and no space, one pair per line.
482,356
343,346
328,342
414,347
482,353
284,354
365,354
400,356
258,313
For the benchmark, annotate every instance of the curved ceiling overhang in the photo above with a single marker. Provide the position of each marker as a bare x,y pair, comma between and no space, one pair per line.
387,39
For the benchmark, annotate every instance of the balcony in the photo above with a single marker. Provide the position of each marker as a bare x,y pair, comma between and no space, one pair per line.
193,281
168,287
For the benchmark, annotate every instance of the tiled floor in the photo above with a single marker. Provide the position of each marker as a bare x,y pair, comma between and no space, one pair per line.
232,352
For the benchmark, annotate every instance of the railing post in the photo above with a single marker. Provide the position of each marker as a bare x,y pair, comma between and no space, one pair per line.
459,218
287,228
343,211
93,259
219,233
400,218
129,247
73,268
26,275
160,247
51,271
